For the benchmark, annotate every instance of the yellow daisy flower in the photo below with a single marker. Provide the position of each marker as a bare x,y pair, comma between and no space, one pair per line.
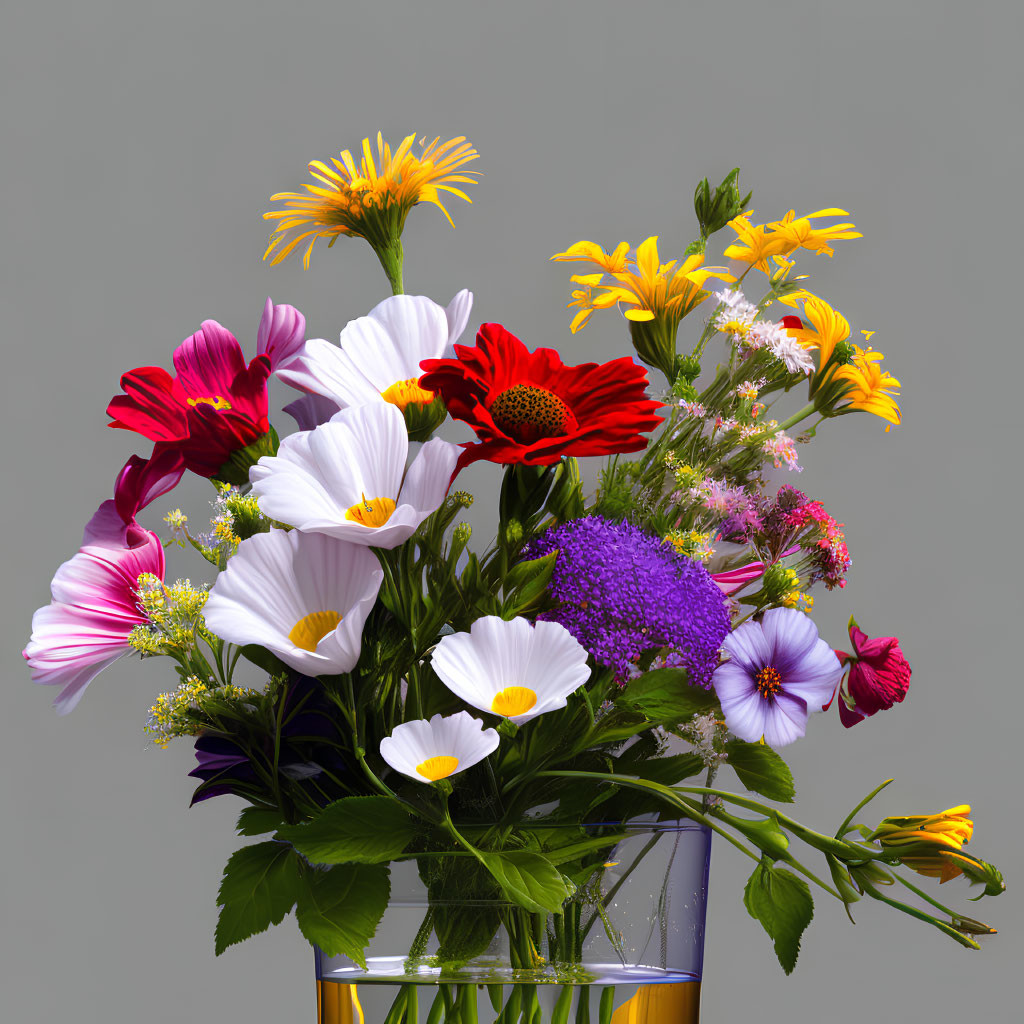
827,329
801,234
656,295
871,385
370,199
757,243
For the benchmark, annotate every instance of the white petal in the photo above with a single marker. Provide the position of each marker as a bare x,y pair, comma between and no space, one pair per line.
323,369
412,328
499,653
427,481
459,735
318,475
276,579
457,314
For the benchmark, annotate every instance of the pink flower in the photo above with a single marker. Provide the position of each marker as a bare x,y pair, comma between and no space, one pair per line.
879,676
733,580
86,626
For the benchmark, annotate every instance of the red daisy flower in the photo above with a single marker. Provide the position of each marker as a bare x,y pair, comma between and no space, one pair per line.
528,407
215,406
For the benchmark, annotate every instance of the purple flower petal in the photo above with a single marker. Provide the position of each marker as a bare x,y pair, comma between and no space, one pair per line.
791,635
815,677
748,647
785,721
746,716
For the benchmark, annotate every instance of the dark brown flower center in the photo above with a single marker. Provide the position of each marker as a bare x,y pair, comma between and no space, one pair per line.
768,682
528,413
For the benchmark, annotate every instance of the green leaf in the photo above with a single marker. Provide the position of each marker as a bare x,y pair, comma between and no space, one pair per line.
526,878
665,695
666,770
761,770
255,821
353,830
464,931
339,909
263,659
260,885
526,583
782,903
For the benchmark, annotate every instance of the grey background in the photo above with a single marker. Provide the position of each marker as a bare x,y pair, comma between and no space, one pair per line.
141,144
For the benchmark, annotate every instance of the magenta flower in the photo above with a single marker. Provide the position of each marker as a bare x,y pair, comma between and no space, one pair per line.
879,676
86,626
779,671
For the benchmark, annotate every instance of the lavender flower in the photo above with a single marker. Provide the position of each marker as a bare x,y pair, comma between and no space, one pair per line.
621,591
780,671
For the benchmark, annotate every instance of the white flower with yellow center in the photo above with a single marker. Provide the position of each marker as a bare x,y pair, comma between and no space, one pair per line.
510,667
303,596
380,353
348,478
429,751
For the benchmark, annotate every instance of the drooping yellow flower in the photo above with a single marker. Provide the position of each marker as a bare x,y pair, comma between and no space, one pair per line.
370,199
827,329
871,385
756,243
655,295
801,234
928,843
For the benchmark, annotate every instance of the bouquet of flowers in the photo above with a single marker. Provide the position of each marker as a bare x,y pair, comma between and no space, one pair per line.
497,715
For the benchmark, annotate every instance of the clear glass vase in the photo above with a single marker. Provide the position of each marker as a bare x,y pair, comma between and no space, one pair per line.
627,947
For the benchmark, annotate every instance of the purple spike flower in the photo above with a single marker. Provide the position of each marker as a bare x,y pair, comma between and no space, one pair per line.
779,671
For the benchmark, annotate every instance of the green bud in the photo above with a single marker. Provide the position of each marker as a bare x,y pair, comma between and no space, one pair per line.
513,531
778,581
236,469
843,352
422,419
715,209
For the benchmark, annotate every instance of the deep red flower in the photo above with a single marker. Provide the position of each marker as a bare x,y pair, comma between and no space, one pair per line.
215,406
879,676
528,407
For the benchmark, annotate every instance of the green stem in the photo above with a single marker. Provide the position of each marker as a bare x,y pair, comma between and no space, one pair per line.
949,930
793,420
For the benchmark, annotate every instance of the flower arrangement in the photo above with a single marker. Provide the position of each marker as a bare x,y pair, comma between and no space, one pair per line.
606,657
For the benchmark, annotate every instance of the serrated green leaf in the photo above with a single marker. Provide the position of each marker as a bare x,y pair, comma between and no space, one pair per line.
353,830
761,770
526,878
256,821
260,885
339,909
665,695
782,903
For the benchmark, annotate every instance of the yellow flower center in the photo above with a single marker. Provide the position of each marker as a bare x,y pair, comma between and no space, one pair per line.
371,511
219,402
513,700
312,628
768,682
407,392
439,767
528,413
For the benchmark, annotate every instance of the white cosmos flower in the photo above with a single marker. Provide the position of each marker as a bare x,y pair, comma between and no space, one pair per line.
305,597
380,354
512,668
428,751
347,478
